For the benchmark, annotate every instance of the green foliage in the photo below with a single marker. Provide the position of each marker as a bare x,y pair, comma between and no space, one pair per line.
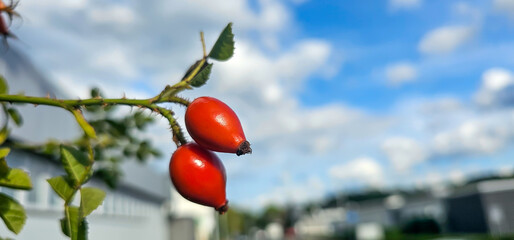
237,222
12,177
75,164
62,187
3,134
270,214
16,179
203,75
88,129
4,152
15,116
421,224
12,213
223,49
73,225
91,198
4,169
110,176
4,88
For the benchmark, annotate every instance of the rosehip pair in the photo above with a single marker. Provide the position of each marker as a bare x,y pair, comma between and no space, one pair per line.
196,172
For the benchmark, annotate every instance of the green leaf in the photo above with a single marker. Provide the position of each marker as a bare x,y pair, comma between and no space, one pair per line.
4,169
223,49
62,187
91,198
64,226
4,152
75,163
88,129
191,68
17,179
4,133
15,116
110,176
1,238
202,76
12,213
73,225
72,221
4,88
95,92
82,231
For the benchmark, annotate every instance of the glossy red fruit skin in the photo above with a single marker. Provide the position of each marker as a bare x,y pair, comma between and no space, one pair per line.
215,126
199,176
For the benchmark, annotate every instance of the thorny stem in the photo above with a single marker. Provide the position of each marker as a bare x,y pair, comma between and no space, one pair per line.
171,91
150,104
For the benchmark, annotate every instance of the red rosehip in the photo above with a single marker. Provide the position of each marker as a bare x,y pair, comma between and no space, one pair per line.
213,125
199,176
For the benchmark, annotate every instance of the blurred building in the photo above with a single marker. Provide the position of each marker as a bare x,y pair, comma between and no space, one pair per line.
486,206
480,207
140,208
321,222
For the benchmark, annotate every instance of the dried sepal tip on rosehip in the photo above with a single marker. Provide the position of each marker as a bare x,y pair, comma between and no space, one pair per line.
215,126
199,176
9,10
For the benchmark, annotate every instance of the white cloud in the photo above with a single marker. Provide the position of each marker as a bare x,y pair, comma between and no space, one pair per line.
445,39
404,4
506,171
497,88
506,6
364,170
400,73
468,11
474,136
457,177
404,152
297,193
117,14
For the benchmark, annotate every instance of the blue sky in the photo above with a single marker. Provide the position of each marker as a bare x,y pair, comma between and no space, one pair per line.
332,95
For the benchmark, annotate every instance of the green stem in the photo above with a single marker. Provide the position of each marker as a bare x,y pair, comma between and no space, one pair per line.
171,91
150,104
68,220
178,136
67,103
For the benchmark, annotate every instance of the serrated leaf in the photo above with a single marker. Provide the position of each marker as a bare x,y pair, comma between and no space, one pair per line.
91,198
15,116
4,133
4,88
75,163
223,49
17,179
202,76
62,187
88,129
12,213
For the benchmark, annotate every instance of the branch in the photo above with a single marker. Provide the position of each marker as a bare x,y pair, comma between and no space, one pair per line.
150,104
